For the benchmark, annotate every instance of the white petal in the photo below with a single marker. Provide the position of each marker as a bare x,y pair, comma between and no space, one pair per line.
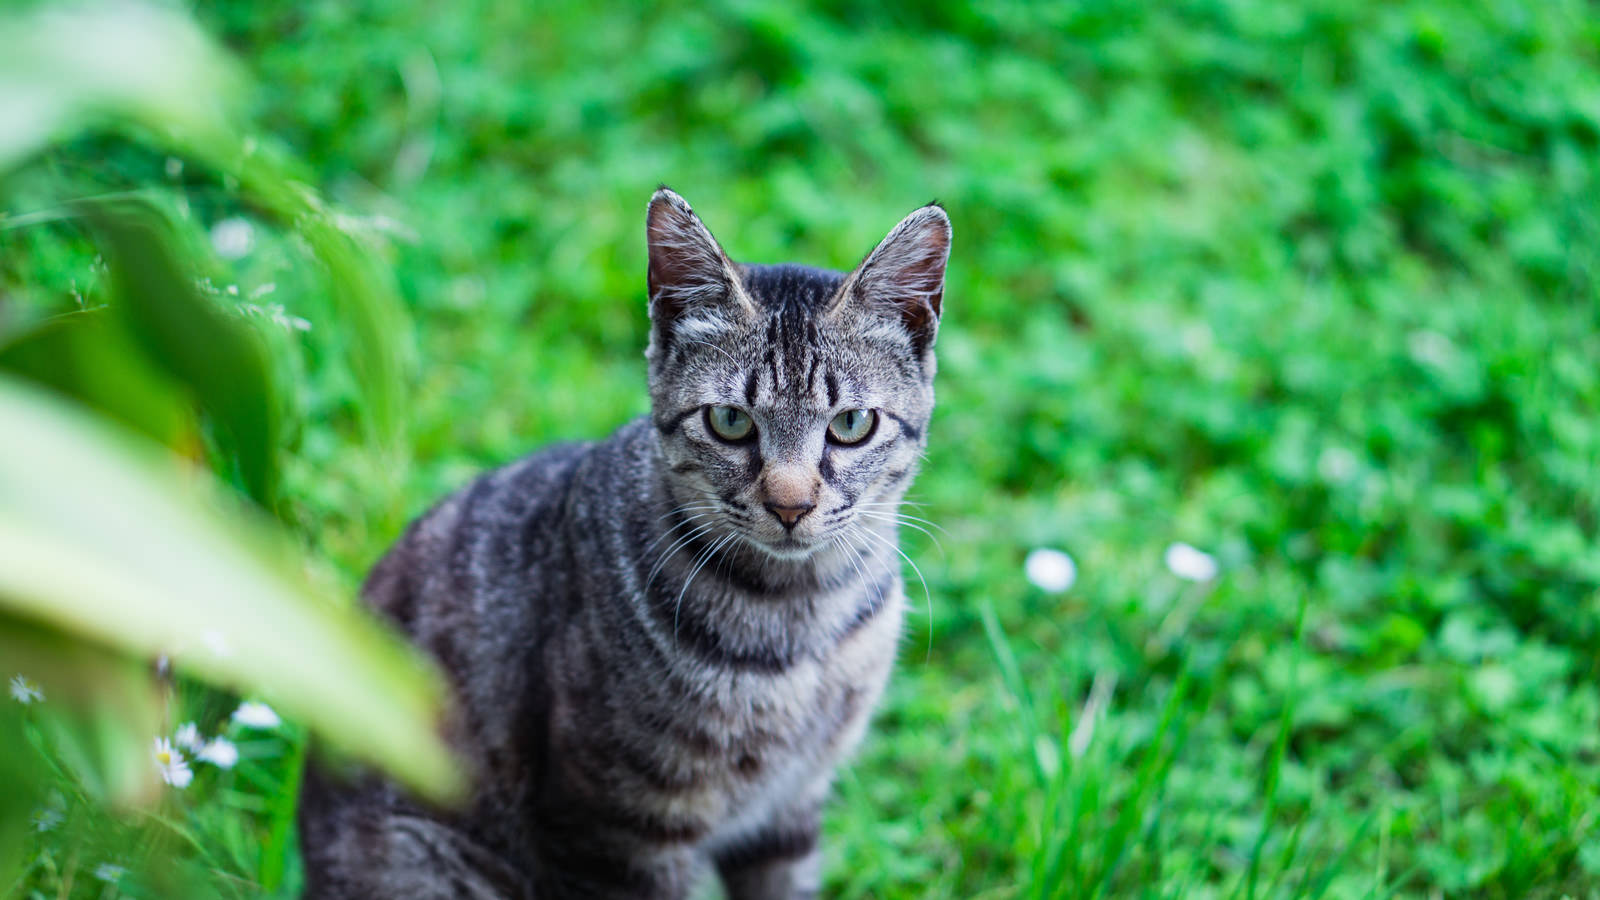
47,818
232,238
188,736
1050,570
220,752
252,714
24,691
178,775
1190,564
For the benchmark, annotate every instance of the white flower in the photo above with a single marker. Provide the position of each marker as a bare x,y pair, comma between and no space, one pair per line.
111,873
47,817
220,752
1050,570
232,237
1431,348
1190,564
188,737
24,691
256,715
1336,464
174,768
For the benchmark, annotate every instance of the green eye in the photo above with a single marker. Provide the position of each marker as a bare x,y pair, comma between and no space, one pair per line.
729,422
852,426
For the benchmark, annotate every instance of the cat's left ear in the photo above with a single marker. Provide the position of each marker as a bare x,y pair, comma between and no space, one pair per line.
904,274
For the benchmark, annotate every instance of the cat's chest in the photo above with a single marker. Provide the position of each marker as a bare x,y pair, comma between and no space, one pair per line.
780,734
706,746
775,741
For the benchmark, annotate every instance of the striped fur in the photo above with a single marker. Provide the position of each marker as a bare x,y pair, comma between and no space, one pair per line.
655,675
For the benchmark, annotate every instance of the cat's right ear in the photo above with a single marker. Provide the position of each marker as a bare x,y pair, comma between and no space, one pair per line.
690,278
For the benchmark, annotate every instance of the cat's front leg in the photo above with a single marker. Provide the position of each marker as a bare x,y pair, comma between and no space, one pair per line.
779,861
587,866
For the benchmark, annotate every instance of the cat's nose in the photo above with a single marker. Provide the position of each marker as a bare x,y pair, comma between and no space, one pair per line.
789,491
789,515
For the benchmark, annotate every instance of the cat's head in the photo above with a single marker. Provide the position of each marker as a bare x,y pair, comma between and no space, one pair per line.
792,402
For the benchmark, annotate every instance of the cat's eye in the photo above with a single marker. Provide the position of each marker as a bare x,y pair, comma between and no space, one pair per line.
729,423
852,426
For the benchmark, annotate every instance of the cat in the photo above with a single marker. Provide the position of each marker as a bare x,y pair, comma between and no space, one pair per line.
661,644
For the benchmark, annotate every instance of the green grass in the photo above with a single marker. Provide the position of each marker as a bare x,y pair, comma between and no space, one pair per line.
1311,287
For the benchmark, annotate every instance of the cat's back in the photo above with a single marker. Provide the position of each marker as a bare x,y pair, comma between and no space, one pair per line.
475,551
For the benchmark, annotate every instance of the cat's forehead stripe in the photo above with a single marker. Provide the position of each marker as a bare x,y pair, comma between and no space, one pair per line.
794,290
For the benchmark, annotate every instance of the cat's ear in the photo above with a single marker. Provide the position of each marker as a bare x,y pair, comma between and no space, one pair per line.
688,273
904,274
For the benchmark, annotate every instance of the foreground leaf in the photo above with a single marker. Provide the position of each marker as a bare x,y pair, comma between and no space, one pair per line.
103,538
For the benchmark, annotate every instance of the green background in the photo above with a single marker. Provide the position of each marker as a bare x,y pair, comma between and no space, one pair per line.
1310,286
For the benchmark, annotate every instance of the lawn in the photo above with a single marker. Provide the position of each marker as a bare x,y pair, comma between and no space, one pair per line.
1313,288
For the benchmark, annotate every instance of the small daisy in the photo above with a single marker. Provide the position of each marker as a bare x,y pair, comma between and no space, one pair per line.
188,737
1050,570
220,752
174,768
24,691
252,714
1191,564
46,818
110,873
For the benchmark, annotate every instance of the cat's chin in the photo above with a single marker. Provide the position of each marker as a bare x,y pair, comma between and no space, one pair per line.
789,549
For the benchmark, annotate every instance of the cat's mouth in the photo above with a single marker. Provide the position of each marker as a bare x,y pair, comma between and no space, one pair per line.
789,547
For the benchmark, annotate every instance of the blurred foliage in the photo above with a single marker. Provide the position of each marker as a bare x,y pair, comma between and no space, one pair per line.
1309,286
115,548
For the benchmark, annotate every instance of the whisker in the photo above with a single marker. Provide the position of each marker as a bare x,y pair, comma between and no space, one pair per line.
684,509
678,607
926,593
891,507
855,562
660,563
899,521
669,531
718,349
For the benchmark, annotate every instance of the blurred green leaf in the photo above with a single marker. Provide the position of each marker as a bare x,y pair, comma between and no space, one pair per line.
99,537
86,356
71,65
216,356
360,291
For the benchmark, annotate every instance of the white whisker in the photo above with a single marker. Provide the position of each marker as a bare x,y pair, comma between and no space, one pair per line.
897,520
718,349
687,521
706,557
926,593
684,509
660,563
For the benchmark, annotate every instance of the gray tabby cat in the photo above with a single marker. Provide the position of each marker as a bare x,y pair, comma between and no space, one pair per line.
661,644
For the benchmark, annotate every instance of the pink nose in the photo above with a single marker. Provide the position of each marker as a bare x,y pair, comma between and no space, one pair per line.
789,515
